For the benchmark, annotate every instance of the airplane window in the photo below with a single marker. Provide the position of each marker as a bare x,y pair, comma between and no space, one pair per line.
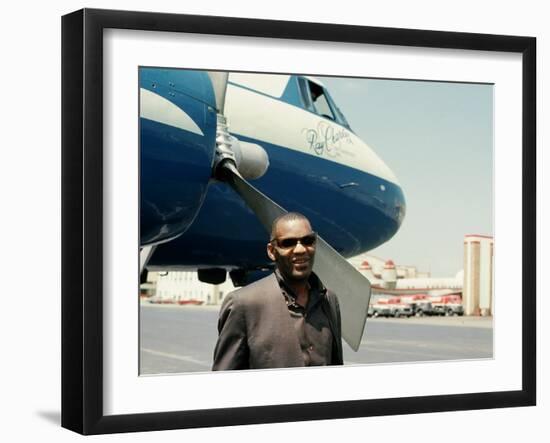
320,102
315,98
340,117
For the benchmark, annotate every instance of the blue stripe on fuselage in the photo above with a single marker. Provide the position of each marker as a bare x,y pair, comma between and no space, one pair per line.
345,205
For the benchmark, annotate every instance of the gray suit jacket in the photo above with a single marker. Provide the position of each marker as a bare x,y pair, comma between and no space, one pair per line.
256,331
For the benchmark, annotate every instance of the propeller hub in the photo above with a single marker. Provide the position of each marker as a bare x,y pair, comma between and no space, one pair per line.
224,143
250,159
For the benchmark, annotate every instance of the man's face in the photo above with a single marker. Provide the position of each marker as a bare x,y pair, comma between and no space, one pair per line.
293,258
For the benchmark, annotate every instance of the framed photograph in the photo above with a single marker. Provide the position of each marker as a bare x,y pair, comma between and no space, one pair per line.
389,141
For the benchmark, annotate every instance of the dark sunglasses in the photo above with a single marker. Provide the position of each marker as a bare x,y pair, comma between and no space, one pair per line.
287,243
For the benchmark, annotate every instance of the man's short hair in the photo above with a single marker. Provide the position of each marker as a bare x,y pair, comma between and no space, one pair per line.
289,216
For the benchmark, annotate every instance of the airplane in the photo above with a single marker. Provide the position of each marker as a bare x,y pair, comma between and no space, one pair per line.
204,134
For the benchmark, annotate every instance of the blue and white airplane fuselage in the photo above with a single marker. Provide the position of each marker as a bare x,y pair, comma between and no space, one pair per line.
317,166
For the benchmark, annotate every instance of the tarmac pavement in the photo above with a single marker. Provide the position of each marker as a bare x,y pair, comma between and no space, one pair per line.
177,339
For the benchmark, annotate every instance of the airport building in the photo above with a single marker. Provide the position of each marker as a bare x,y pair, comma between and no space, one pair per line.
474,284
378,265
477,296
185,287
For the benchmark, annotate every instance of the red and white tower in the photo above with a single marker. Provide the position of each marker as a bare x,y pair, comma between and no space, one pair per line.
389,275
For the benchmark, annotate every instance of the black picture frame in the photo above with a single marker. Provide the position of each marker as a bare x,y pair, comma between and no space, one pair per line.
82,219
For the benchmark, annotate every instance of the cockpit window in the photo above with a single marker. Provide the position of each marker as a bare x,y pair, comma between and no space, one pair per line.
320,102
340,115
316,99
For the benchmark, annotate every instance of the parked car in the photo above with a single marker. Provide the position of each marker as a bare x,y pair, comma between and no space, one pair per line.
448,305
379,310
392,307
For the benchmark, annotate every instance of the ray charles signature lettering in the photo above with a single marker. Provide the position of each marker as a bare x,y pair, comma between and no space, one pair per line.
326,139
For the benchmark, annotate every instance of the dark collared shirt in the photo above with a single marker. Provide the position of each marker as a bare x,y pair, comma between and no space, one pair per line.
310,323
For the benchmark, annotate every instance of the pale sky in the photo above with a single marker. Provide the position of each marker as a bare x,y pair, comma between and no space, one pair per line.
437,137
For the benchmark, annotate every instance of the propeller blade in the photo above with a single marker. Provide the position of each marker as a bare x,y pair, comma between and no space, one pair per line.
145,254
219,83
353,290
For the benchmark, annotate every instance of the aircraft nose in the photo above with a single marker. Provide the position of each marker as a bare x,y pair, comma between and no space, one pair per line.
382,188
389,200
400,206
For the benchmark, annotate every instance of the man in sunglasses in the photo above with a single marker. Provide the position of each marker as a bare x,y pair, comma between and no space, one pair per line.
287,319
